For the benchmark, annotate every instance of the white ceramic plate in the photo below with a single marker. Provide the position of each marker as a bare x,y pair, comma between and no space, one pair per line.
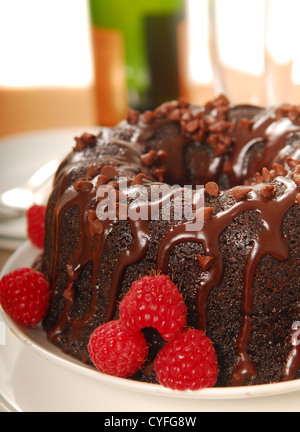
35,340
21,156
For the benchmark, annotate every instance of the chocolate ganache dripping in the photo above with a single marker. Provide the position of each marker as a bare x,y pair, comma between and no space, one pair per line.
122,153
269,242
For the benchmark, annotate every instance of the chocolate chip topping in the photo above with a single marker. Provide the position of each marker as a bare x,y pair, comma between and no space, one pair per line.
258,178
296,178
297,170
191,126
292,163
220,101
109,171
148,158
84,141
148,117
279,170
101,180
267,176
287,110
93,171
212,189
220,126
83,185
205,213
268,191
96,227
210,123
295,166
205,261
138,180
240,192
132,116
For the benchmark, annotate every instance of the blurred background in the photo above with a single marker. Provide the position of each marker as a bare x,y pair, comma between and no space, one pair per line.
45,65
82,62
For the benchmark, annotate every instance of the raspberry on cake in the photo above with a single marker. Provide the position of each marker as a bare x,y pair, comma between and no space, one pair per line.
154,301
115,352
36,225
187,363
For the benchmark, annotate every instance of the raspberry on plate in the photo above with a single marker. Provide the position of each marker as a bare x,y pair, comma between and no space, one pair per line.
24,296
115,352
154,301
187,363
36,225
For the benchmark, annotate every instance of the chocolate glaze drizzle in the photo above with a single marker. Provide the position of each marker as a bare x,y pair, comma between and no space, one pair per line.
270,242
231,142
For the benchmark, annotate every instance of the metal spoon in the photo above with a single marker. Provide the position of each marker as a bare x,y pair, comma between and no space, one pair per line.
14,202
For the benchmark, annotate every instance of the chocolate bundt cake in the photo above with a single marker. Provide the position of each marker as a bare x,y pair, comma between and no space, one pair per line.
232,246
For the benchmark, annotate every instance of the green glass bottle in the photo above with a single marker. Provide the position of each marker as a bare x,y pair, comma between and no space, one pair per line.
144,34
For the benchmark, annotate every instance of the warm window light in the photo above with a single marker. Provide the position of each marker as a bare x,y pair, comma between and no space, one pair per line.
246,55
296,72
253,48
276,43
283,46
44,43
239,27
200,71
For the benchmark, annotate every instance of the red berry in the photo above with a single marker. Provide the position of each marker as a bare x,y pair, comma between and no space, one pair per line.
36,225
115,352
154,301
187,363
24,296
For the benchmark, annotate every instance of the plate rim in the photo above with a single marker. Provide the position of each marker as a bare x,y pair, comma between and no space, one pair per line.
57,356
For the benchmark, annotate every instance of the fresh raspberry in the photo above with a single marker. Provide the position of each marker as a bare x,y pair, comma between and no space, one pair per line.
36,225
154,301
24,296
187,363
115,352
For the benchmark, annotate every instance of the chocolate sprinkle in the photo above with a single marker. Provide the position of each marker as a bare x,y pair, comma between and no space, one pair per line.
148,158
205,261
212,189
268,191
82,185
86,140
138,180
109,171
240,192
205,213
